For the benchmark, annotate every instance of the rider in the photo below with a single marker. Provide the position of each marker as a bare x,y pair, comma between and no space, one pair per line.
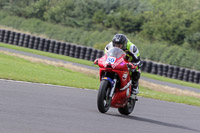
132,55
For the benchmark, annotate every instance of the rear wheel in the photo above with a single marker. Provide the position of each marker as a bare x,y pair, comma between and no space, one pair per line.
103,99
128,108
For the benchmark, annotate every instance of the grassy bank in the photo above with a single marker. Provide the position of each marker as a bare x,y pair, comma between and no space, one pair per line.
89,63
154,49
66,58
170,80
20,69
25,70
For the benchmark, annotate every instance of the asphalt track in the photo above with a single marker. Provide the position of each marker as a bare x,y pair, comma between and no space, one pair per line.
38,108
95,68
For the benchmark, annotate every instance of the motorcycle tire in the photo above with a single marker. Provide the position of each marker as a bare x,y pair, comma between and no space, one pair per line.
128,108
103,99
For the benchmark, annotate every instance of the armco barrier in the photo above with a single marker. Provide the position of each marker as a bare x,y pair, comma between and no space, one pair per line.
91,54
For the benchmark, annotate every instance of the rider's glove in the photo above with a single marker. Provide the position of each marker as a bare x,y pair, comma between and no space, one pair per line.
131,66
126,57
96,61
138,64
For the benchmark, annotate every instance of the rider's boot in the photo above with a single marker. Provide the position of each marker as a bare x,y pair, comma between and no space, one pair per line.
134,89
135,82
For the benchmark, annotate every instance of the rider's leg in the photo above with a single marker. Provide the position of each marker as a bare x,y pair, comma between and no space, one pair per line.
135,82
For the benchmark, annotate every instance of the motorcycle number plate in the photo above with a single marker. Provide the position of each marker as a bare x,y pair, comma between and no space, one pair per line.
111,60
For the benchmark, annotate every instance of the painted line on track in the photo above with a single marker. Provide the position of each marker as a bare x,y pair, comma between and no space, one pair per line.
9,80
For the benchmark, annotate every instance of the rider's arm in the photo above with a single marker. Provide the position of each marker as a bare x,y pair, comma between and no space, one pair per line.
108,47
134,55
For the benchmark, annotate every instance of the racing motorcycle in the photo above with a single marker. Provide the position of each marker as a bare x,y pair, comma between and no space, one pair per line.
115,87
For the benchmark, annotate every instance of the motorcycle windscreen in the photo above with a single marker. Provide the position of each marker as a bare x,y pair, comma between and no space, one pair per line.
115,52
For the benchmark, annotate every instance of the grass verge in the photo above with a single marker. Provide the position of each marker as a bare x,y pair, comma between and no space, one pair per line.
89,63
20,69
175,81
146,92
25,70
57,56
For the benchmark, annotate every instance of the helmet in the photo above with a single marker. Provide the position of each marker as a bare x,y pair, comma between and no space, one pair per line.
119,39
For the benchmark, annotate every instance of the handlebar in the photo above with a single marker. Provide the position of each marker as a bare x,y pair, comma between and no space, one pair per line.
131,67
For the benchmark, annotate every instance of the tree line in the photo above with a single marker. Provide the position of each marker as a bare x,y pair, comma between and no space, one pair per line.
176,22
166,31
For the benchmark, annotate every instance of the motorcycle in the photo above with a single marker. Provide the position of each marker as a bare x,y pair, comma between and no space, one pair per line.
115,82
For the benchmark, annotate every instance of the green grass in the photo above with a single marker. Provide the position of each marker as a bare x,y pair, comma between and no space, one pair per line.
23,70
175,81
57,56
20,69
90,63
145,92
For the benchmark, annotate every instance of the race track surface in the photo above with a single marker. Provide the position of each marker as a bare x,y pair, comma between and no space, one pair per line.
38,108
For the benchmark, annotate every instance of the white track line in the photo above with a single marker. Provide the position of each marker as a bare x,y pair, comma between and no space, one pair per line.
25,82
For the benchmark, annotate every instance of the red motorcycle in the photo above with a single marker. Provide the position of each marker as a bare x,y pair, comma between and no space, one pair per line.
115,86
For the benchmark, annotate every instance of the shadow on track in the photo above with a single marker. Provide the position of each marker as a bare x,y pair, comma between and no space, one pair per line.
154,122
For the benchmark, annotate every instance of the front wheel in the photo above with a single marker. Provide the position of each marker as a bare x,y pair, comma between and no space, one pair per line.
128,108
103,99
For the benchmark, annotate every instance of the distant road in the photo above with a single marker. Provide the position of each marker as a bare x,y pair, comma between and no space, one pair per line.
94,68
38,108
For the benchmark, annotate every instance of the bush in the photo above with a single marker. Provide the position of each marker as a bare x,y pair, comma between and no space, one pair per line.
58,32
189,58
152,50
197,64
194,40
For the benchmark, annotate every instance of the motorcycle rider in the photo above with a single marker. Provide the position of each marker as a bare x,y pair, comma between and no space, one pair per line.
132,55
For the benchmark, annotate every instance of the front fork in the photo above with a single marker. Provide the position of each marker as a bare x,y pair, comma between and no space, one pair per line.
113,88
113,83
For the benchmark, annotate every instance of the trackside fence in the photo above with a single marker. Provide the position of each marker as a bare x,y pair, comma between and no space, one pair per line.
89,53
